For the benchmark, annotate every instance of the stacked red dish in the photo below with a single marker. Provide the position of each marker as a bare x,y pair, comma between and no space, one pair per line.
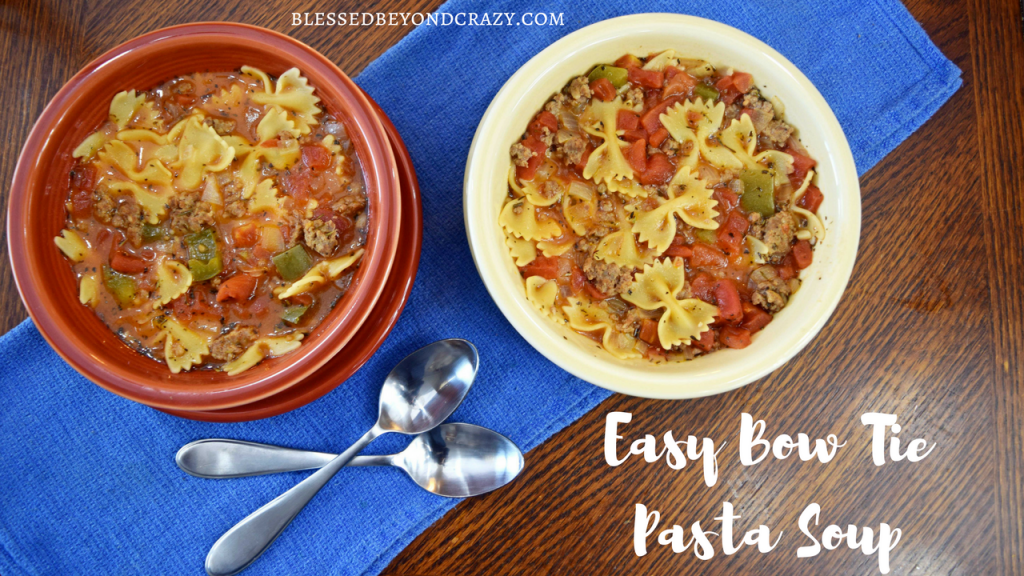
357,324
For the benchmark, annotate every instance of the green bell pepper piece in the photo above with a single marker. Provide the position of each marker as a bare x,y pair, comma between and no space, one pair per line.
121,286
758,192
708,93
293,262
203,257
292,314
617,76
151,232
706,236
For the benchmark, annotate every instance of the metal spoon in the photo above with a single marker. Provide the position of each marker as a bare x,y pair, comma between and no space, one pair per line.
420,393
454,460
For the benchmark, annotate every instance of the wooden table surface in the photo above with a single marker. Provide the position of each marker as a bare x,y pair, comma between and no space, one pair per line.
931,327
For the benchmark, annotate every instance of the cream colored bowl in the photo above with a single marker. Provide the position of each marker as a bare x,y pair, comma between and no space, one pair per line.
527,91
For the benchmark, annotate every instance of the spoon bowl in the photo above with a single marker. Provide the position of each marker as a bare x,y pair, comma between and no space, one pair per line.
426,387
461,460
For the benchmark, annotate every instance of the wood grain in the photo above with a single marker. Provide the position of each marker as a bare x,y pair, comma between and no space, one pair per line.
927,329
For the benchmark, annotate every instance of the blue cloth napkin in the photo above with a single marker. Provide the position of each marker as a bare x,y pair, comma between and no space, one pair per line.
88,483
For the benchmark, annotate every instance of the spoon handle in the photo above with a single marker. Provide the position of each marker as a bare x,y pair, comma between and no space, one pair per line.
245,541
225,458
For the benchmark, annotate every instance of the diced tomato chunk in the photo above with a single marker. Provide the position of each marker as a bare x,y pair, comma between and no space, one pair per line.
754,318
801,165
245,235
802,254
730,234
593,292
539,150
634,135
626,120
659,170
811,200
296,184
706,342
649,330
543,120
83,177
126,264
733,337
603,89
316,156
675,251
239,287
652,118
636,155
658,137
81,203
628,61
577,281
727,199
787,268
705,256
703,287
584,158
646,78
729,304
678,83
542,266
742,81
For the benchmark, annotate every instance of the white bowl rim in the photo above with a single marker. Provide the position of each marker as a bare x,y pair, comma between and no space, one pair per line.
635,378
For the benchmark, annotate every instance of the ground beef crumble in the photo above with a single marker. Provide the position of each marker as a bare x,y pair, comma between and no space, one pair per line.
320,235
122,212
189,214
229,346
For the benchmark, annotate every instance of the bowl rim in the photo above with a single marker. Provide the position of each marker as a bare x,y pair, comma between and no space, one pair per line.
489,255
342,322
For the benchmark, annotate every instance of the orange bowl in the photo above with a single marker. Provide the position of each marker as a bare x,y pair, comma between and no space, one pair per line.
40,188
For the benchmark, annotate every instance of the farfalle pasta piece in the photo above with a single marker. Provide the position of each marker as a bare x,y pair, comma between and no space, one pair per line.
262,348
592,318
266,199
273,123
529,191
541,292
520,218
322,272
172,280
72,245
579,205
690,199
741,138
147,118
523,251
120,155
183,347
280,157
759,251
682,320
291,93
90,145
89,290
620,247
551,248
607,163
153,203
226,99
123,107
200,151
660,61
694,121
815,228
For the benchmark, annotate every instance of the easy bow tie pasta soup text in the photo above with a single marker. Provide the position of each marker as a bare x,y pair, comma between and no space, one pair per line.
215,219
662,207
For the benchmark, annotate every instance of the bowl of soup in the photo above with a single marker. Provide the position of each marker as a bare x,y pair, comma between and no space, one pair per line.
204,216
662,205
